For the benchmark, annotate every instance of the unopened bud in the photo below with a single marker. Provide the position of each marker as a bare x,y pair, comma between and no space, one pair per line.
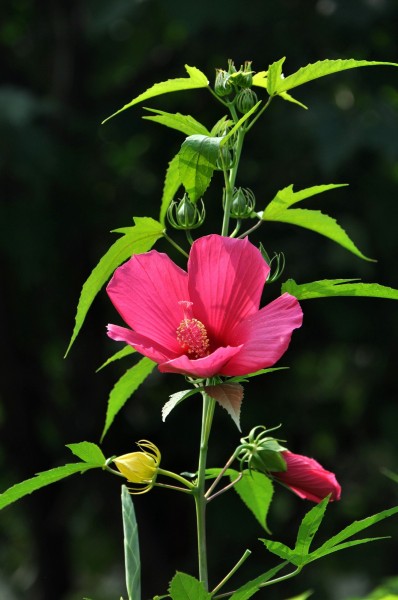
245,100
186,214
140,467
243,203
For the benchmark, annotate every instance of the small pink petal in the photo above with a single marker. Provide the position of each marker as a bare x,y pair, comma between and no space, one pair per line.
141,343
146,291
202,367
226,279
265,336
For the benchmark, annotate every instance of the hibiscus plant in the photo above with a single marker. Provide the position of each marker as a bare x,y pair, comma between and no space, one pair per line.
200,316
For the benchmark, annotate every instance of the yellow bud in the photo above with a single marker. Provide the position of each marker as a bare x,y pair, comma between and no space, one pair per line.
140,467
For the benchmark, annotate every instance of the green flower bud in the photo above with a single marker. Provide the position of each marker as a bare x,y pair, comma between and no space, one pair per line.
245,100
244,77
262,452
185,214
223,85
243,203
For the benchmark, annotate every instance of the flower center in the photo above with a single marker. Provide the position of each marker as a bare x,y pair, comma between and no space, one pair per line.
192,334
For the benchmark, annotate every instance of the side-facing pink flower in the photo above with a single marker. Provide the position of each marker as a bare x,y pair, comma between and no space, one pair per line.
307,478
206,321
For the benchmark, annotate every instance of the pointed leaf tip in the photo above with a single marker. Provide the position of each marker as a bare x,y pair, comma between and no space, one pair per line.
229,396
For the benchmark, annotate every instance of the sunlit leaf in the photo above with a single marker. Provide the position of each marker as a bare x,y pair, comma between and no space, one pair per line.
279,210
131,547
274,76
88,452
260,79
171,185
19,490
186,587
338,287
184,123
229,396
322,68
139,238
256,491
126,351
197,161
124,388
290,98
307,530
196,79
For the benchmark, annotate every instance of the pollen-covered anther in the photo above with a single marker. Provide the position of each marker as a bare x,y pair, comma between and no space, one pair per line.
192,336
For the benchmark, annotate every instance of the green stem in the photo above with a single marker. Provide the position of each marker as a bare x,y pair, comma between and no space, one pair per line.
232,571
230,181
173,243
199,491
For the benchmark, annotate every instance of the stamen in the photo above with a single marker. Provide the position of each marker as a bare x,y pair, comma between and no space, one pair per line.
192,334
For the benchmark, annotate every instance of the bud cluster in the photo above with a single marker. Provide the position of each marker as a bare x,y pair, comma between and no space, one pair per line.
235,86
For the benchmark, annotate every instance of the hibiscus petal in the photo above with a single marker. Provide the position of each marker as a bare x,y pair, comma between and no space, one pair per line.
265,336
146,291
141,343
226,278
202,367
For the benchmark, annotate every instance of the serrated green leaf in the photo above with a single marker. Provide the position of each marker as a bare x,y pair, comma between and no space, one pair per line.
124,388
196,79
289,98
321,69
126,351
88,452
316,221
314,556
280,550
171,185
325,288
251,587
186,587
175,399
308,528
239,124
197,161
256,491
279,210
239,378
274,76
139,238
131,547
19,490
286,197
260,79
184,123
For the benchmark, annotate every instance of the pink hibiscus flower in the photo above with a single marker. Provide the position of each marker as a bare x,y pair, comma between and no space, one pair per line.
307,478
206,321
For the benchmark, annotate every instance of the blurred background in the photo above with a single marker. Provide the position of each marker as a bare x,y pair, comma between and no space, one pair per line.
66,181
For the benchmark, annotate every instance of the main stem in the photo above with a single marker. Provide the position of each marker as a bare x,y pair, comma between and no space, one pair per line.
199,492
230,180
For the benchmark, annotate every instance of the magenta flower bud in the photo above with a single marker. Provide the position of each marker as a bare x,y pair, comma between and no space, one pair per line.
307,478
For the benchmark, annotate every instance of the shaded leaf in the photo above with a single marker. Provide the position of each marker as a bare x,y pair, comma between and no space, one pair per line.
325,288
124,388
196,79
131,547
88,452
229,396
256,491
184,123
135,240
251,587
171,184
197,161
19,490
186,587
126,351
353,529
307,530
